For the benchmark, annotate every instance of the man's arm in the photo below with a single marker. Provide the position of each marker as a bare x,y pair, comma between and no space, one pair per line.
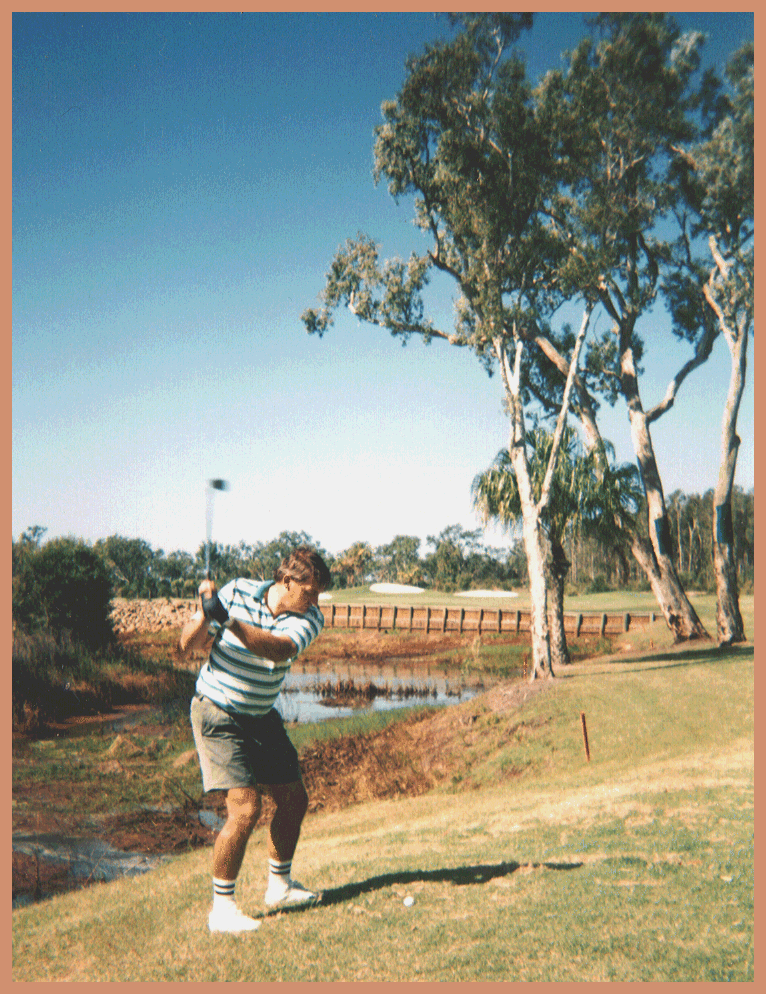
267,645
194,635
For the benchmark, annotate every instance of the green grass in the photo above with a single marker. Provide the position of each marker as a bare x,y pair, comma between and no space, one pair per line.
364,723
635,866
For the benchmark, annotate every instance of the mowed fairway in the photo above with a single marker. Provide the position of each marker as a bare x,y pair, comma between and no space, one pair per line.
540,866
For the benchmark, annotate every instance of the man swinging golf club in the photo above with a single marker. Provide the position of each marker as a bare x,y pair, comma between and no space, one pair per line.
252,631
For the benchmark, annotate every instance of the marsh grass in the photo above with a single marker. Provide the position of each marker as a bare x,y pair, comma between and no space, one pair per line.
635,866
55,677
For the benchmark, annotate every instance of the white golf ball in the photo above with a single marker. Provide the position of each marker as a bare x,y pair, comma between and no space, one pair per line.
409,901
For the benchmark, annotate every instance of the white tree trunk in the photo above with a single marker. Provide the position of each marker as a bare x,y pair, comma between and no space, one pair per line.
535,541
534,544
675,605
729,625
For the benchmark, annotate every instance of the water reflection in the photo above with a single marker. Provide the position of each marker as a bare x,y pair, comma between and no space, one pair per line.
302,701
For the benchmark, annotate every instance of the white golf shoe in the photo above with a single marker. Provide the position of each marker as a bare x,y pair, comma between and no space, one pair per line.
294,893
230,919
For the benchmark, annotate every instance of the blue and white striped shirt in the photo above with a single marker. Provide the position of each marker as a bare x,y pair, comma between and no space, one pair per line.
234,678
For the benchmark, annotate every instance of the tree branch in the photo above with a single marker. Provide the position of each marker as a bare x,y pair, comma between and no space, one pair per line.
402,328
701,355
545,492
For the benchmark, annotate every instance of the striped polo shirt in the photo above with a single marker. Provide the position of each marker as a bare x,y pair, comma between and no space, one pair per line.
235,679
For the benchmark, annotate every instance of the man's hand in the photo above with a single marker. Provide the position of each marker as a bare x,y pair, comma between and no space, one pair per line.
213,609
195,635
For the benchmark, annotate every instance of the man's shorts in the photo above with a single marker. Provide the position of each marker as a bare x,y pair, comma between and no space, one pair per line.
241,750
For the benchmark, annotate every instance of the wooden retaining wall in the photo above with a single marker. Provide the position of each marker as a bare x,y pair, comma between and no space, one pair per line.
436,620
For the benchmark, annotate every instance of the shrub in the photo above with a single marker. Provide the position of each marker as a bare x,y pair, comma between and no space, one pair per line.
598,585
55,677
63,587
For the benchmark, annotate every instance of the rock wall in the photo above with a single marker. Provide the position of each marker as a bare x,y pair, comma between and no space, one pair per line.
150,615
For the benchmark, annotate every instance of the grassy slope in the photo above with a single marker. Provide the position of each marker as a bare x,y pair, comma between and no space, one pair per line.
637,866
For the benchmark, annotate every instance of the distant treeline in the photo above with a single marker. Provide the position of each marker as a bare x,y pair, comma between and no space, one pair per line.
456,559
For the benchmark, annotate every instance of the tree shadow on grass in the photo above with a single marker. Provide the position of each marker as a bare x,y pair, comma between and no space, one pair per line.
691,656
460,876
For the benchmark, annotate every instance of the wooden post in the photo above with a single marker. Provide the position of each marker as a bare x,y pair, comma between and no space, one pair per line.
626,622
412,612
380,615
393,618
579,626
462,619
603,623
364,615
428,620
481,618
518,622
585,735
499,617
444,621
348,615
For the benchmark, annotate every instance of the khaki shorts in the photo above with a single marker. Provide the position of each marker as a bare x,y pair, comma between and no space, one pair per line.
240,750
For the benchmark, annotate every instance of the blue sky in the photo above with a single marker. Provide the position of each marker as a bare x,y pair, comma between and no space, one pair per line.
180,185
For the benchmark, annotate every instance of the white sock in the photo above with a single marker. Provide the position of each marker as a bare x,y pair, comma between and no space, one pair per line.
279,874
223,893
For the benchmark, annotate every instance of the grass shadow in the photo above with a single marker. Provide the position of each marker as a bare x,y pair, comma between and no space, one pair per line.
460,876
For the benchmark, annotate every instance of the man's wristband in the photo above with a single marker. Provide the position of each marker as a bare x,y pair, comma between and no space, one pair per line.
215,626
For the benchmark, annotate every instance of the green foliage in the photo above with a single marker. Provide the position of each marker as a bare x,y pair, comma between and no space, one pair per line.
399,561
462,137
459,561
353,566
258,561
62,587
131,562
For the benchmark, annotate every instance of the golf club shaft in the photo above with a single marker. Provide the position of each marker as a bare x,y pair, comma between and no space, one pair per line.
212,486
208,531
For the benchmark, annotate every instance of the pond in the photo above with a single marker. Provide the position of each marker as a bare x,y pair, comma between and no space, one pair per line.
321,695
310,695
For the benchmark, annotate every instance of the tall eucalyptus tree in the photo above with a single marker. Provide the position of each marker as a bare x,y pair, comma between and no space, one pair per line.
462,136
713,287
618,110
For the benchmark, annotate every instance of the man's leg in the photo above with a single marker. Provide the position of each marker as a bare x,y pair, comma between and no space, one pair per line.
243,806
291,801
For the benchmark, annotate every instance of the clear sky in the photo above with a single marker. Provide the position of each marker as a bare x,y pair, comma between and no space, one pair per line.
181,183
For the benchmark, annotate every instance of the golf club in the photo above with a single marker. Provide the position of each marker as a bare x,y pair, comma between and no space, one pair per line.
212,486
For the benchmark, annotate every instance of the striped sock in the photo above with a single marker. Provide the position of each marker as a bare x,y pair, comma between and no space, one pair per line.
223,892
279,874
